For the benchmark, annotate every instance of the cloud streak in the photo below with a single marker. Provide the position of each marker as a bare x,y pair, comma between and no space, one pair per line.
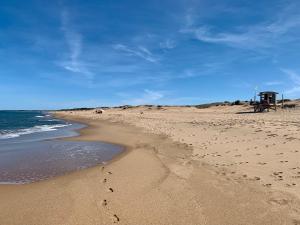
146,97
168,44
140,51
295,78
273,83
262,35
74,42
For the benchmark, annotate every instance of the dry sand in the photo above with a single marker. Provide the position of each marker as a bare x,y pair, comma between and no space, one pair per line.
182,166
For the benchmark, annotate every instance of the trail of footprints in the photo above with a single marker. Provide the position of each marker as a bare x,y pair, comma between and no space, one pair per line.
115,217
278,176
270,137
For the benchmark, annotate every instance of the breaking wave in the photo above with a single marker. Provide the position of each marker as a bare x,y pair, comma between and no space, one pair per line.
6,134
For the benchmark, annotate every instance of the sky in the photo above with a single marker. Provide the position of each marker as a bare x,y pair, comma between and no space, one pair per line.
71,53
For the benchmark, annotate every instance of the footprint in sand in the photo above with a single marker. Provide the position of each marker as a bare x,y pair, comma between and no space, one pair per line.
294,168
104,202
296,222
290,185
277,173
104,180
110,190
256,178
116,219
109,172
279,201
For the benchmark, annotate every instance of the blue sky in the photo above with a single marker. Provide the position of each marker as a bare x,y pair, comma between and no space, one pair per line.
59,54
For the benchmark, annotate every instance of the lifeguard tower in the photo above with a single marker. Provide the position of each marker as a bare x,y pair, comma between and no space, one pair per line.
267,101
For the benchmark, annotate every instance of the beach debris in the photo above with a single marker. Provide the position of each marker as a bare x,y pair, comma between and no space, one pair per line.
99,111
124,107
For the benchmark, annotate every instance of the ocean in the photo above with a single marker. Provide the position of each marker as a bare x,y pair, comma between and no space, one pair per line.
17,123
32,148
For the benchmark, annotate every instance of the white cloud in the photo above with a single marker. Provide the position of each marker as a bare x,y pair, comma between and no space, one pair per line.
74,41
140,51
262,35
147,97
206,35
293,75
168,44
273,83
295,78
293,91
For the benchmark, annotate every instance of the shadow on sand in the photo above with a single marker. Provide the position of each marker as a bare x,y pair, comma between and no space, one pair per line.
249,112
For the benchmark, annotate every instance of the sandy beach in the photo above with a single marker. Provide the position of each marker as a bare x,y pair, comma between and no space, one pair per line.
182,165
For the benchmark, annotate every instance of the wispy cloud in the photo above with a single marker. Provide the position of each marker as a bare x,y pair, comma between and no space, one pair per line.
295,78
273,83
205,34
167,44
74,41
146,97
262,35
139,51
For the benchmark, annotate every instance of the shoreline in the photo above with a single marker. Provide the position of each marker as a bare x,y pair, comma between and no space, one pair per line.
155,180
81,137
42,156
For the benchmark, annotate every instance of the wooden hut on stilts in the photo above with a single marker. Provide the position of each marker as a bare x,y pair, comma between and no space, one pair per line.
267,101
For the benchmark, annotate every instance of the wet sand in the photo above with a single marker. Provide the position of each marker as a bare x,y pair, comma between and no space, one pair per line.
167,175
41,160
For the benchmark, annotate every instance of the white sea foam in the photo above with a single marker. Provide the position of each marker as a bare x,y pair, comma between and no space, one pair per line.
8,135
14,183
47,115
35,129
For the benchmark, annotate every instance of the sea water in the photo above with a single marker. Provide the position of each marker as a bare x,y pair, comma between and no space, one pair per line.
31,151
